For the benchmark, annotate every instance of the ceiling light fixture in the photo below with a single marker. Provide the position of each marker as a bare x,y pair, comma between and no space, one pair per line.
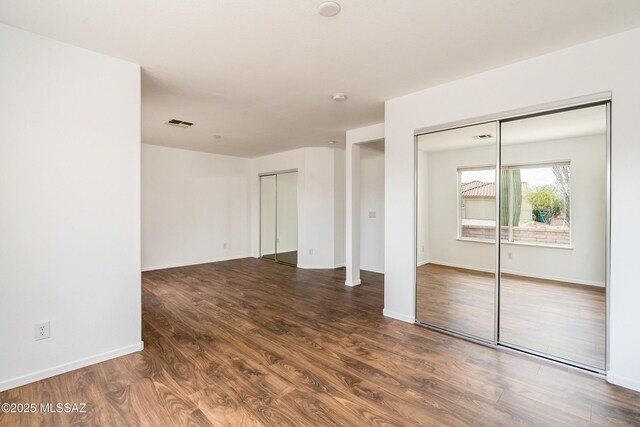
328,9
332,142
484,136
339,97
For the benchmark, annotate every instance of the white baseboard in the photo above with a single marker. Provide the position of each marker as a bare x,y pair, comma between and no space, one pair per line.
629,383
519,273
398,316
66,367
352,284
421,263
372,269
188,263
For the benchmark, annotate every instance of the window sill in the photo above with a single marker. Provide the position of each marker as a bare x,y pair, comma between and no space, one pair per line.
538,245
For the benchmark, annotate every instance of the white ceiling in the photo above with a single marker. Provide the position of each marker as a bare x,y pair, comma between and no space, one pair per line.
261,72
548,127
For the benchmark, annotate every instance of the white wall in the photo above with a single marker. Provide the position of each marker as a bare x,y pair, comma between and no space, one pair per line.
583,263
193,205
371,200
318,217
608,64
70,211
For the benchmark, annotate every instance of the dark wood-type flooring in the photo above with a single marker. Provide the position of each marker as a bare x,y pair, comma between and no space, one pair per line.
251,342
556,318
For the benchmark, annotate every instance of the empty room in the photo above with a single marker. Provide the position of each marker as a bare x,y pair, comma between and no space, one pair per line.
309,213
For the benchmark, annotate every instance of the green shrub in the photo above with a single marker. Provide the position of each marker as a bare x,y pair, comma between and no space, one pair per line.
546,202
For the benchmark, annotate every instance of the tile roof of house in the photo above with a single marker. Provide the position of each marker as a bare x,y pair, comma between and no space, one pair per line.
478,189
481,189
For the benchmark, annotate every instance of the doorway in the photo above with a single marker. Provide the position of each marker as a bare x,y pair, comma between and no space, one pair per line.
512,233
279,217
372,206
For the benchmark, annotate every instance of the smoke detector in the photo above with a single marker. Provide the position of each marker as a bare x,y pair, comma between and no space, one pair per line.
339,97
328,9
178,123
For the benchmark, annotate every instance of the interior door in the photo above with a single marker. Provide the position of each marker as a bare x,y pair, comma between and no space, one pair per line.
553,240
287,218
456,230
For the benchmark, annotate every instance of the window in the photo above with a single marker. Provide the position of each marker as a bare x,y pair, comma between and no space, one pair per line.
535,204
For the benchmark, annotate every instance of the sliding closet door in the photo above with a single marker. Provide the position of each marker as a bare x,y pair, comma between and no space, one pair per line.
553,235
456,230
287,218
268,215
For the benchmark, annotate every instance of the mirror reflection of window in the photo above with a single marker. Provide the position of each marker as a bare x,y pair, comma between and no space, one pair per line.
538,201
536,206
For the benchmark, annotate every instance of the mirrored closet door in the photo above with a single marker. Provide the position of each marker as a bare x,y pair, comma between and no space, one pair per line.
541,182
268,217
279,217
553,240
456,225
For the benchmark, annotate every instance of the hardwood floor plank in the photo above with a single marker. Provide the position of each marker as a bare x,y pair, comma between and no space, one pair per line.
253,343
561,319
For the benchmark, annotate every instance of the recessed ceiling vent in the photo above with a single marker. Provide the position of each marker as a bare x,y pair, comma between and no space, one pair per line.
483,136
179,123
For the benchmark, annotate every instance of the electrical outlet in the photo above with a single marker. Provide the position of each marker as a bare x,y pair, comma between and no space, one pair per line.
510,255
372,214
310,251
422,248
42,331
224,245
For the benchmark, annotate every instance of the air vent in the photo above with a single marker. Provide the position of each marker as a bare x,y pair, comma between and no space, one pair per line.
484,136
179,123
